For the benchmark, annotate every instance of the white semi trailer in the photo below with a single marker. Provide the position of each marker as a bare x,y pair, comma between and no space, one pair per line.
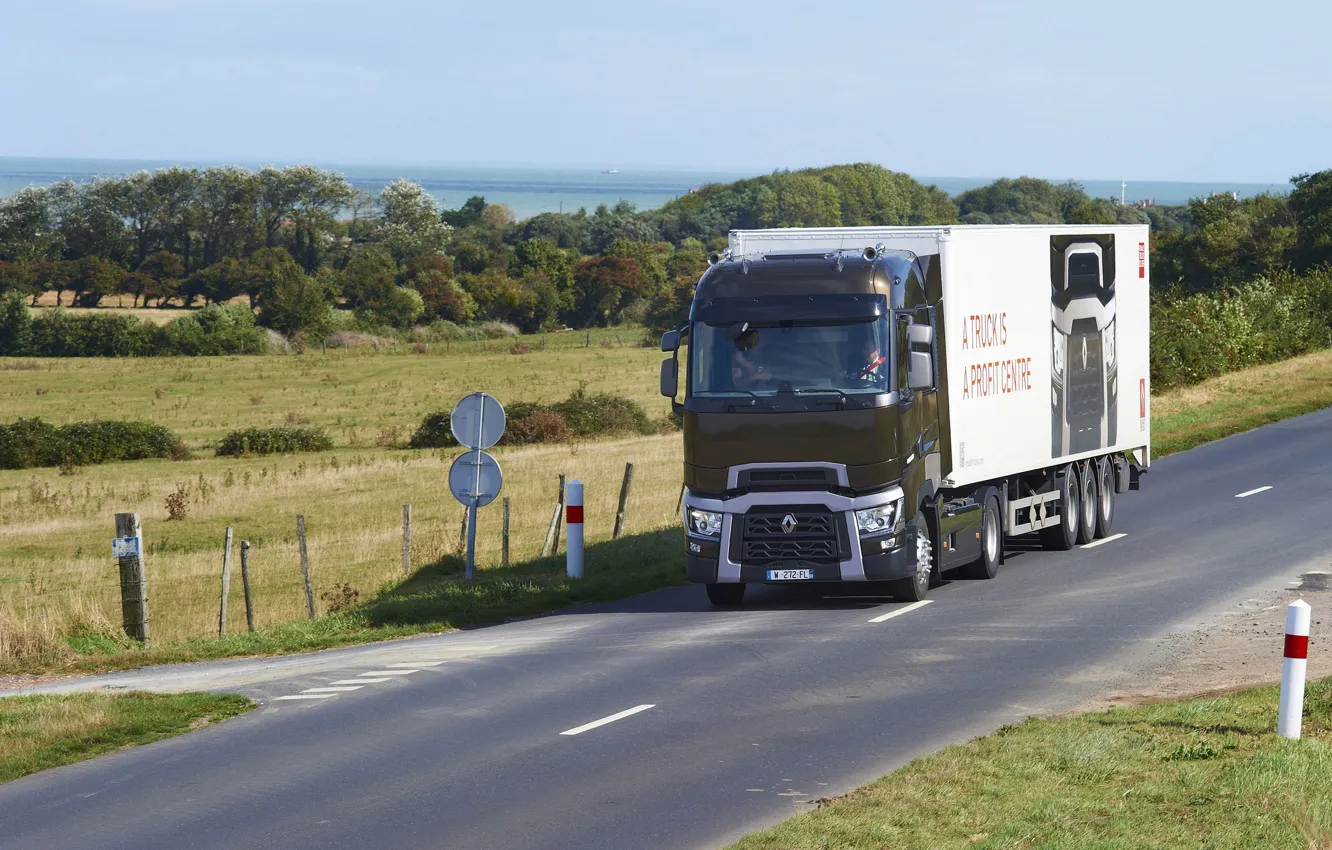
887,403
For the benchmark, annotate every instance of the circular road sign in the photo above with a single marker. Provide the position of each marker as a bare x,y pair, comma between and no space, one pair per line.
475,478
477,421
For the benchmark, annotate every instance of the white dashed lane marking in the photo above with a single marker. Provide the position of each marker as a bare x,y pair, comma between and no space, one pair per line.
332,690
359,681
417,664
307,696
1254,492
1111,539
390,672
578,730
900,611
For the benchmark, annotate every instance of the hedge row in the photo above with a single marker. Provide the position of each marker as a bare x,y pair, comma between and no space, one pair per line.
30,443
581,415
1268,319
213,330
267,441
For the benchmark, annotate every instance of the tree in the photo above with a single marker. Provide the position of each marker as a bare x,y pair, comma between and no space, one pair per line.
215,284
28,227
16,278
226,212
369,276
410,223
294,303
93,279
442,297
603,288
1311,206
263,269
15,326
566,230
298,206
466,215
164,269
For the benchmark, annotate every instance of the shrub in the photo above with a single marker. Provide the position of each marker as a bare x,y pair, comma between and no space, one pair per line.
30,443
535,423
266,441
434,432
604,414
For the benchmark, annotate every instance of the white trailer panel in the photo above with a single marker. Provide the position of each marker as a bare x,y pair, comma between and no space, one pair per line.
1045,332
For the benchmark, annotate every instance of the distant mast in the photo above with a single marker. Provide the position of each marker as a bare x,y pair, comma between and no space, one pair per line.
1123,185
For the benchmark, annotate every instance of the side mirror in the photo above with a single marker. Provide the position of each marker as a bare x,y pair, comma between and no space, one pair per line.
920,335
670,341
669,377
920,369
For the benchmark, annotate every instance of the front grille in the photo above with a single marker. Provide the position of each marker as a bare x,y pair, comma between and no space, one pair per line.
812,537
1086,384
809,478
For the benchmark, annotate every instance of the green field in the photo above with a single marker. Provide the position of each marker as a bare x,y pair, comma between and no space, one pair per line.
59,593
1208,773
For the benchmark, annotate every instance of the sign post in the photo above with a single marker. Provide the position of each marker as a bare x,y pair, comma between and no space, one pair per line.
475,477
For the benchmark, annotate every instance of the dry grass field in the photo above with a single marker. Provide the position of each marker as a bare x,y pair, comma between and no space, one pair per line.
57,577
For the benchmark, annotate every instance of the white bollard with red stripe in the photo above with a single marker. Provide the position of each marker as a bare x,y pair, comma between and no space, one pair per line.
1292,669
573,536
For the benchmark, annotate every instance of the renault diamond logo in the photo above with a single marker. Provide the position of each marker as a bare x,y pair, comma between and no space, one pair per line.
788,523
1084,352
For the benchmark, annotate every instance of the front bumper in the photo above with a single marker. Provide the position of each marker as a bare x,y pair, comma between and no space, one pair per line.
721,559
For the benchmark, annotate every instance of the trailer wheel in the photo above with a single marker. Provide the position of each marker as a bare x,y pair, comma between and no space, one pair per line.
1061,537
1087,475
914,588
731,593
992,544
1105,497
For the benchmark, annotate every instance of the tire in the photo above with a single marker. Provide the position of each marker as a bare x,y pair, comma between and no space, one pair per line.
1062,537
914,588
1087,474
1105,497
732,593
992,544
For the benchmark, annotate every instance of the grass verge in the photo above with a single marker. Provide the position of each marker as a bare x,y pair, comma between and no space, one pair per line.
44,731
1240,401
1203,773
433,599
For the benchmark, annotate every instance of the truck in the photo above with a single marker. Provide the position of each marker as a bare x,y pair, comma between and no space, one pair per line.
888,404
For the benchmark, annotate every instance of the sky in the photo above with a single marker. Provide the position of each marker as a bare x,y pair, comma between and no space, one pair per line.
1161,90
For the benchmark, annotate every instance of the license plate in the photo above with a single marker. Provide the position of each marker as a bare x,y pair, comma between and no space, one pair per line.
789,575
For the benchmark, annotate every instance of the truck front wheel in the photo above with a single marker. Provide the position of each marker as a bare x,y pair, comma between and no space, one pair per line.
913,588
726,594
1062,536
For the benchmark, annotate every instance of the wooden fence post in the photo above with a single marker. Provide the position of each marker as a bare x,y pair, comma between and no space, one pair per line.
504,551
679,503
305,565
624,500
550,532
226,585
133,580
245,582
559,519
406,539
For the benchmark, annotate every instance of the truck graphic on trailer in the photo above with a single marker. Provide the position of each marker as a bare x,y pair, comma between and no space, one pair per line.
1084,373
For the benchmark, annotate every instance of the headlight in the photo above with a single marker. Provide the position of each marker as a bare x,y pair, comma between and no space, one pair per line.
704,523
1108,344
879,519
1060,351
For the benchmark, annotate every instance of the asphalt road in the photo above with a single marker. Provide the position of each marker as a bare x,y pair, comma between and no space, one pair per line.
752,714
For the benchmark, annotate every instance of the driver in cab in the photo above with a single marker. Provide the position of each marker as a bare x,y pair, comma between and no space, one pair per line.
747,370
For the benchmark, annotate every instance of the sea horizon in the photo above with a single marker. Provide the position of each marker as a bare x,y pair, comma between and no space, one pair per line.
529,190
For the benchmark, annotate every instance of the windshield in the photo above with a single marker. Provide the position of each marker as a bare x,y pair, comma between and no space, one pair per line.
743,359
